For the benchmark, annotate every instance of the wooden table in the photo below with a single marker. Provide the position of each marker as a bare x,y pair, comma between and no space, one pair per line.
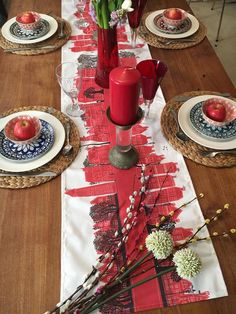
30,218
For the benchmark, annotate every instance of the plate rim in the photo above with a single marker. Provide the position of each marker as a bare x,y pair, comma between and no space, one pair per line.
36,157
7,35
188,129
59,140
149,21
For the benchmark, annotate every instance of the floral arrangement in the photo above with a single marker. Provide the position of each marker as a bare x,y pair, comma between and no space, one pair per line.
173,257
107,13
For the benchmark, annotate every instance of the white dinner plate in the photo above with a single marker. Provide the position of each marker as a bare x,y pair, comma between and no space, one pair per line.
59,131
7,34
188,129
153,29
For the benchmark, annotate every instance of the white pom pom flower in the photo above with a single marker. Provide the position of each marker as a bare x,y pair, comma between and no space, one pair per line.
188,263
126,5
160,243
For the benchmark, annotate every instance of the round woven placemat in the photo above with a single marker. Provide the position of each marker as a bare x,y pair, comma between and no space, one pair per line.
190,149
58,164
37,48
161,42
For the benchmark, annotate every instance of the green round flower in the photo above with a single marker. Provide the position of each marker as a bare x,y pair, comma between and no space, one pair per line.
188,263
160,243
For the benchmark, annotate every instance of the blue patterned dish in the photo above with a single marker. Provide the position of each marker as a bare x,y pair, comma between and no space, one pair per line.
225,132
17,32
28,152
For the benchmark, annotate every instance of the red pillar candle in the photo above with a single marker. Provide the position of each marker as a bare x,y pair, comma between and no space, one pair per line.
124,95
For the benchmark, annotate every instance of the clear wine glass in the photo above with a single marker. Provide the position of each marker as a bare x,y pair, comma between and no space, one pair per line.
69,76
80,6
134,18
152,72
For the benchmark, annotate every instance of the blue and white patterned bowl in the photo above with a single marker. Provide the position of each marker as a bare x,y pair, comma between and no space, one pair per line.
9,129
41,30
27,152
225,132
28,28
229,108
172,22
165,28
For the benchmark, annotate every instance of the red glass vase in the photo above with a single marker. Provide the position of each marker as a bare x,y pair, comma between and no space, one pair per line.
107,55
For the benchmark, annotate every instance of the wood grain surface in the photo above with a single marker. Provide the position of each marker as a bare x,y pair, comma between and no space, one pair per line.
30,219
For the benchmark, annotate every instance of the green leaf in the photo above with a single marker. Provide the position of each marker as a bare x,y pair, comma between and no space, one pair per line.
111,6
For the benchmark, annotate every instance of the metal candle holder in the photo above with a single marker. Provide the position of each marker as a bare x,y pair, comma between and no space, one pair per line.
124,155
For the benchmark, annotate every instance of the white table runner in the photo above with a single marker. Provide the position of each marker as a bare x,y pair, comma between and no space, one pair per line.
77,249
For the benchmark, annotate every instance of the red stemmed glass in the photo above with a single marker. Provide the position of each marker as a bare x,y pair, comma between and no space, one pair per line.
152,72
134,18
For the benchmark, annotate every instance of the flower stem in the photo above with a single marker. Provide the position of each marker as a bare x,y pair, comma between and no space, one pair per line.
117,281
105,14
129,270
141,282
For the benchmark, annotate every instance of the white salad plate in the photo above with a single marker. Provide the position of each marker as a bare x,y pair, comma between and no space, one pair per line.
59,138
149,22
187,127
6,31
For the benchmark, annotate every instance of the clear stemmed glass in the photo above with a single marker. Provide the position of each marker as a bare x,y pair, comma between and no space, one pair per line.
134,18
80,6
152,72
69,76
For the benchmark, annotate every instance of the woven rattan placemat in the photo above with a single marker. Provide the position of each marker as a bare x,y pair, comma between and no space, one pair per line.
190,149
161,42
58,164
52,41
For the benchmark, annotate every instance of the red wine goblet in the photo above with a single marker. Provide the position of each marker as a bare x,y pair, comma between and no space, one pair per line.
134,18
152,72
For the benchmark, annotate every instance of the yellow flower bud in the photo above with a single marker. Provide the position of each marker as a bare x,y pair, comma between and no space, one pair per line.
215,218
226,206
219,211
201,195
207,221
157,224
225,235
171,213
163,218
232,230
215,234
193,240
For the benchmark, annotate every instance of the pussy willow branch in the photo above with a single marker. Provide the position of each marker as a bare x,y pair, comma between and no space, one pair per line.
207,221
